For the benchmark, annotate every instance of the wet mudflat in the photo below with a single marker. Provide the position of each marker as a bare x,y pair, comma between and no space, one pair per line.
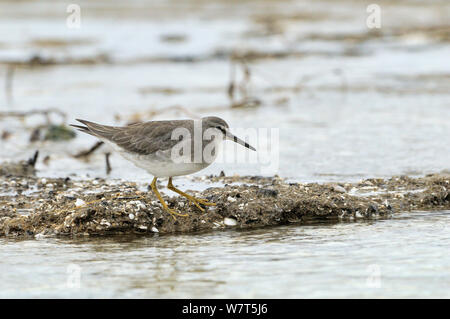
55,207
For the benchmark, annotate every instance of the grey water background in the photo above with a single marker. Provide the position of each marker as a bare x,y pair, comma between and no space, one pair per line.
348,103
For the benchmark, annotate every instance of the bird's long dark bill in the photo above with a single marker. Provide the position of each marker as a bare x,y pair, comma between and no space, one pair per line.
236,139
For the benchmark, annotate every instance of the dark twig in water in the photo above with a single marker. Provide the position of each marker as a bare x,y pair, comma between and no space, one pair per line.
245,100
243,87
108,164
88,152
46,160
231,85
35,135
5,135
32,161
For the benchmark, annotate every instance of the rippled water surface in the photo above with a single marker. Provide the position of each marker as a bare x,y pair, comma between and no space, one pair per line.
348,103
401,257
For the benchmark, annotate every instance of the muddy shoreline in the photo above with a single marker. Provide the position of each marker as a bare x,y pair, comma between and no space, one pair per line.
39,207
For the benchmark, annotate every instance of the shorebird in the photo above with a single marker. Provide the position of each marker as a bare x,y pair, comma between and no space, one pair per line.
167,148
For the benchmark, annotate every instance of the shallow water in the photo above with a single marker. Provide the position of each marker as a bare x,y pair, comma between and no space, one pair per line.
348,105
405,256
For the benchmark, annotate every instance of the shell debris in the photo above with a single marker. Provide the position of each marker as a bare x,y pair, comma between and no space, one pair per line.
230,221
79,202
107,207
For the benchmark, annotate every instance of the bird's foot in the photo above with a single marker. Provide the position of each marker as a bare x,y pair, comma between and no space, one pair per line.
199,201
192,200
175,213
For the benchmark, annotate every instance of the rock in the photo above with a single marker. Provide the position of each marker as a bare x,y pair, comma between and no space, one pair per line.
266,192
230,221
339,189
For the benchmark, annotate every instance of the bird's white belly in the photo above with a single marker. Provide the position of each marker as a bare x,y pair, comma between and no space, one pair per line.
161,167
164,169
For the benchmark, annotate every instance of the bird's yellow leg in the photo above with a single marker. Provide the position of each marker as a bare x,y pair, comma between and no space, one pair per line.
192,199
163,203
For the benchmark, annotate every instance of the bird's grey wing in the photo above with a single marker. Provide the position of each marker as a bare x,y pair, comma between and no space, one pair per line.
142,138
147,138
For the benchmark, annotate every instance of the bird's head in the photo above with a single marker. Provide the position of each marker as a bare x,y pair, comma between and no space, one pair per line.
222,127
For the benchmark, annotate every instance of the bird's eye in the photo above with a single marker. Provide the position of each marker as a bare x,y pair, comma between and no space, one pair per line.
220,129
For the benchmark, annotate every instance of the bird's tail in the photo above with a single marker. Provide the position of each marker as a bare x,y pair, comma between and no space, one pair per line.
97,130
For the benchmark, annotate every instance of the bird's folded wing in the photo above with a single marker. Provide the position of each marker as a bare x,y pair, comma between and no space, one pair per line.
145,139
141,138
